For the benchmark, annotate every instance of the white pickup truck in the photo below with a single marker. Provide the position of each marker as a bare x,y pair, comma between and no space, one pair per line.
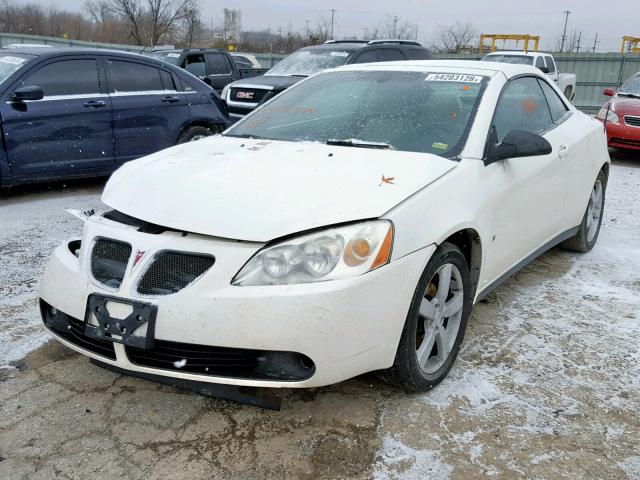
566,82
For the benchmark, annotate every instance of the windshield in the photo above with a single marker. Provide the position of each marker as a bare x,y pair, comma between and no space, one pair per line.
631,86
307,62
519,59
171,57
11,63
408,111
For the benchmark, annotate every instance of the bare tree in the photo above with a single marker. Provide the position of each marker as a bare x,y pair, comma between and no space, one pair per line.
148,21
455,38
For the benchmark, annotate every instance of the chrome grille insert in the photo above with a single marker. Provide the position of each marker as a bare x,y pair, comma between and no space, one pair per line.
171,271
109,259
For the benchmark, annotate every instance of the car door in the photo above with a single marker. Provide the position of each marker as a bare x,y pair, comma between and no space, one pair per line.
148,108
69,129
527,194
219,70
553,71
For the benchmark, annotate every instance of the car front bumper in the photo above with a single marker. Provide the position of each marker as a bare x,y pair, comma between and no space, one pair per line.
346,327
620,135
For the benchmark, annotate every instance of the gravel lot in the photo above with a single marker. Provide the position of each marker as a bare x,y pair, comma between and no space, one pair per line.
547,384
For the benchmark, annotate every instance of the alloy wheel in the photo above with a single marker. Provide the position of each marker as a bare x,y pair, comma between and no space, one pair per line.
439,318
594,210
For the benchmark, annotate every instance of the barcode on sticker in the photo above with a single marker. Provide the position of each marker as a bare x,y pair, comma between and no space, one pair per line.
453,77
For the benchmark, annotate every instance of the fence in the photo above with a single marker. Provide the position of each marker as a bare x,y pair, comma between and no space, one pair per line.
594,72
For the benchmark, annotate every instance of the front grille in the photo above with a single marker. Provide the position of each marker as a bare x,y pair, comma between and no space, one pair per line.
170,272
248,95
223,361
109,259
632,121
72,330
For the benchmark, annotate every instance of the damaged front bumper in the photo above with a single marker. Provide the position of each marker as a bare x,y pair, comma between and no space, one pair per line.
208,330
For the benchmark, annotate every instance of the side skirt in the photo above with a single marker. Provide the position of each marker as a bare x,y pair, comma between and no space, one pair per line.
527,260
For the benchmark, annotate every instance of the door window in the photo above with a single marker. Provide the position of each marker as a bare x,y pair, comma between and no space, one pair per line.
66,77
540,62
168,83
195,64
134,77
389,54
551,65
218,64
556,105
367,57
522,106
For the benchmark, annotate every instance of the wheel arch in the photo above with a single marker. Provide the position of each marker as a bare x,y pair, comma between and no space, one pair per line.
201,122
468,240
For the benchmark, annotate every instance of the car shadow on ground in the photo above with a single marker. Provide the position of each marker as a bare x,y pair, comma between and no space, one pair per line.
67,186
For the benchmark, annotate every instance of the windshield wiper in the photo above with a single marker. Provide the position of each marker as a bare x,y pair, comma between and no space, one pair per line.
626,94
247,135
352,142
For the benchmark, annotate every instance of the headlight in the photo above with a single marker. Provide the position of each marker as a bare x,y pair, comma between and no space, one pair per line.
611,115
224,92
331,254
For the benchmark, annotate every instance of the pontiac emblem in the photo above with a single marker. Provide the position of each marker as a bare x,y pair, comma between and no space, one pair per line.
138,257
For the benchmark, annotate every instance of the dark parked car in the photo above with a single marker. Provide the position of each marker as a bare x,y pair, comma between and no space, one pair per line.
243,96
74,113
213,66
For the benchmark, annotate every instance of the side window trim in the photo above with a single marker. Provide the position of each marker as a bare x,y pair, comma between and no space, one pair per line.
102,87
566,115
495,110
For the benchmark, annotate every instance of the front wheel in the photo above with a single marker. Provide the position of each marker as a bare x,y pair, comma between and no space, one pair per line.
196,132
436,322
587,235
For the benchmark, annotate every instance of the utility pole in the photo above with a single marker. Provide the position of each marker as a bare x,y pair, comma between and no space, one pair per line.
333,12
395,25
307,28
564,32
579,39
595,43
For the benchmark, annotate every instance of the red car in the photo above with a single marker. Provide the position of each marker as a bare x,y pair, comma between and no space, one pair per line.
623,114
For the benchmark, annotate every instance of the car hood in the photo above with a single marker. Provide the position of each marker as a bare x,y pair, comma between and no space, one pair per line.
268,82
625,105
258,190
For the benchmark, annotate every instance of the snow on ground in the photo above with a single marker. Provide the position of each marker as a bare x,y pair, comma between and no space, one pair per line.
33,223
550,365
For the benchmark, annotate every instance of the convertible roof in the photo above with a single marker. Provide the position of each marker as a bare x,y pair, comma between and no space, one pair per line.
471,67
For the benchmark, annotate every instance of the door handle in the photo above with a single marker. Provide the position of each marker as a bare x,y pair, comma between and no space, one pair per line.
563,151
170,99
95,104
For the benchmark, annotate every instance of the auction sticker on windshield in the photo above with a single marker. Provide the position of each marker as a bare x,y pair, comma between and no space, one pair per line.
339,54
453,77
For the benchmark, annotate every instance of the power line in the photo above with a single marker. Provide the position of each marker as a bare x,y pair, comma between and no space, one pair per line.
564,32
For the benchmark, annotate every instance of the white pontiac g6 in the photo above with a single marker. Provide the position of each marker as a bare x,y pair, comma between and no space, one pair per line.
348,225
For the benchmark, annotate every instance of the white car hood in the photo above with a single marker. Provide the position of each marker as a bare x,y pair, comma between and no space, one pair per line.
258,190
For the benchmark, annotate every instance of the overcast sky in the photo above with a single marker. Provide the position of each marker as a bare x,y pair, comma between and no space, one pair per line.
611,19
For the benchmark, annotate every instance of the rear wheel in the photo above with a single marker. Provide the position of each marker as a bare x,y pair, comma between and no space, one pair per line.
436,322
196,132
587,235
567,92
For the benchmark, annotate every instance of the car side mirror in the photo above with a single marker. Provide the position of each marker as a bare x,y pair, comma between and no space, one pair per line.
518,143
544,69
27,93
609,92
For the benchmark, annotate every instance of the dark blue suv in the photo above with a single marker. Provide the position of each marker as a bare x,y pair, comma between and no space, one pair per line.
79,113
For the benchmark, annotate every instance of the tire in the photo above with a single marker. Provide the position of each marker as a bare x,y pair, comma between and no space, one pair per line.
196,132
587,235
426,327
567,92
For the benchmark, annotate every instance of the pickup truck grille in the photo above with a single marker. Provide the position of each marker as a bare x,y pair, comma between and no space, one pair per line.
247,95
632,121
